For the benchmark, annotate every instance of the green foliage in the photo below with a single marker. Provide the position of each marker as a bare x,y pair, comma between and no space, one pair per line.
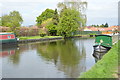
52,27
92,34
13,20
106,25
79,6
42,33
55,18
0,22
48,13
95,25
102,26
69,22
46,22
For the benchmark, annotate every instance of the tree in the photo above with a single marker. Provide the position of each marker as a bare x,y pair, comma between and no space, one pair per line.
52,27
69,22
75,4
48,13
102,25
55,17
106,25
0,22
13,20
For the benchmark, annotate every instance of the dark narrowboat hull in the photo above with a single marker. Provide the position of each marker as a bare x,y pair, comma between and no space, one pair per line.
98,55
8,41
101,48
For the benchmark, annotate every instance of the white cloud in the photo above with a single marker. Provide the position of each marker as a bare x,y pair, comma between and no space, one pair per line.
98,12
102,11
48,1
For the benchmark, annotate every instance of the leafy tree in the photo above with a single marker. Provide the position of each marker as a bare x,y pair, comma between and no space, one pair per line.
78,5
45,23
102,25
0,22
13,20
69,22
55,17
106,25
97,26
52,27
48,13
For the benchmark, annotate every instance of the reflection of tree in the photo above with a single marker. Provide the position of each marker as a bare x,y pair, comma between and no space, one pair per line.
74,70
48,51
65,56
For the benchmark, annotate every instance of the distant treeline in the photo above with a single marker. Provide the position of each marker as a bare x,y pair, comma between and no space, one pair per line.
102,25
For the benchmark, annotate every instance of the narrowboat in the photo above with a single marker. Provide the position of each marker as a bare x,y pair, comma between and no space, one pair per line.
103,43
6,38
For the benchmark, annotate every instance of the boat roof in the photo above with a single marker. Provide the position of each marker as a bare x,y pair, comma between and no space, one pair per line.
2,33
104,35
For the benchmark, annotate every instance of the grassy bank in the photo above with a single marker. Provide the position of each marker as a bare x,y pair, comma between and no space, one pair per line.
106,67
37,37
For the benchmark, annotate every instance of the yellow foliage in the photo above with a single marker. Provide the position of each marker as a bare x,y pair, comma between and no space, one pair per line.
47,21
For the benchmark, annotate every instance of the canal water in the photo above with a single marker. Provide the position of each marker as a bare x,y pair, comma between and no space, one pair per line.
56,59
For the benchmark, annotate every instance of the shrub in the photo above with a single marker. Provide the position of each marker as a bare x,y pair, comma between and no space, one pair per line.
42,33
22,31
5,29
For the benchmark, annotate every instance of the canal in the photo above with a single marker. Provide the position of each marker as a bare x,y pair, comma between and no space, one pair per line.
56,59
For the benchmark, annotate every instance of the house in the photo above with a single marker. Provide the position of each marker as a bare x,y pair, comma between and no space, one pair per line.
90,28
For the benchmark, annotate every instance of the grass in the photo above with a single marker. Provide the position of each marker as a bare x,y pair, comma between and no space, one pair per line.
106,67
37,37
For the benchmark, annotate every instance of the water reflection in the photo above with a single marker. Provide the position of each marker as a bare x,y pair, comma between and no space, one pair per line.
11,52
65,55
64,58
7,50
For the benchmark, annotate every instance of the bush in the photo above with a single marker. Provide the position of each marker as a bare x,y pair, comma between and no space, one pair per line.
28,31
22,31
92,34
42,33
5,29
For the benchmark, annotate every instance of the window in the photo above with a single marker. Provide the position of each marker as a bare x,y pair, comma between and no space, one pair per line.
9,37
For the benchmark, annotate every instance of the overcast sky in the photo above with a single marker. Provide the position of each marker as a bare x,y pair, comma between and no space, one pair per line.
98,11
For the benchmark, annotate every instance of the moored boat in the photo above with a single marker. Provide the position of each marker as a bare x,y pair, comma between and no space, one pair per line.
103,43
98,55
6,38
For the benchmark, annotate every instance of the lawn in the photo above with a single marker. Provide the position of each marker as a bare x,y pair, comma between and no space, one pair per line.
37,37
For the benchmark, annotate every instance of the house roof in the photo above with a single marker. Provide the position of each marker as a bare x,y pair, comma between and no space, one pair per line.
90,28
